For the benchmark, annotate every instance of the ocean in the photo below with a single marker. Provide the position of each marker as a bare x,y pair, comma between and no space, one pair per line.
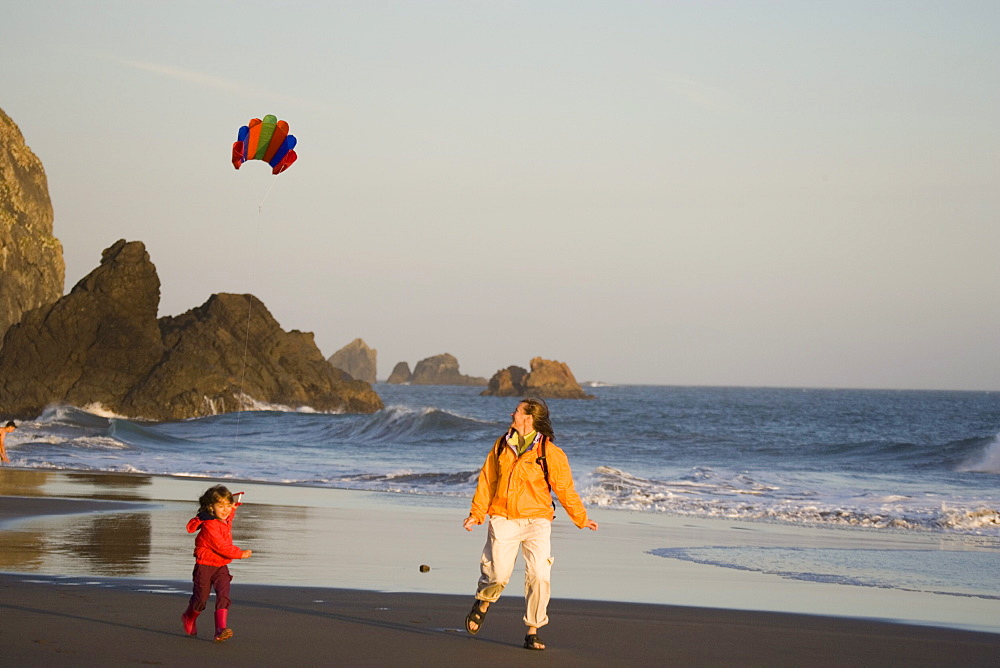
902,461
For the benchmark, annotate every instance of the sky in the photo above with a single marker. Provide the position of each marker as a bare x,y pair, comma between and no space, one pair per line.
785,194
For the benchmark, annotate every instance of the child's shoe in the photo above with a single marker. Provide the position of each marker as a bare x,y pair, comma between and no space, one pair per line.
188,619
222,633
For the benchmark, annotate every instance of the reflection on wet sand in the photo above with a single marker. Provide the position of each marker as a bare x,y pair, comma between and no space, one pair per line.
22,483
298,535
76,484
105,543
115,544
120,487
140,540
22,550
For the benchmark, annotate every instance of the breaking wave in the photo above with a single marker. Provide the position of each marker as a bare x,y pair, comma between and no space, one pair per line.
985,461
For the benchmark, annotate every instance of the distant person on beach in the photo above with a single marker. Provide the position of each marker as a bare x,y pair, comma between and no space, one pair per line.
515,487
9,427
213,550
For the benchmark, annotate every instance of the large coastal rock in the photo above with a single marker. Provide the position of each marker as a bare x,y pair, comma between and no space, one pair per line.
400,374
32,271
204,371
547,379
102,345
357,360
89,347
441,370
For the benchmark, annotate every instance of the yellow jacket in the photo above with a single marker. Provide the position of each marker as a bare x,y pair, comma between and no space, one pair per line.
514,487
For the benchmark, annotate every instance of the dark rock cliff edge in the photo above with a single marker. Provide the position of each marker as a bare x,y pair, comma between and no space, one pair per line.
102,345
32,271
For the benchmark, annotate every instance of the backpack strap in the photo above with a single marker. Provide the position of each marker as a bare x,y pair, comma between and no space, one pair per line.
501,442
543,462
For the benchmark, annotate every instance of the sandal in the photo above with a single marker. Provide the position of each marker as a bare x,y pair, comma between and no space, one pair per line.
531,640
475,616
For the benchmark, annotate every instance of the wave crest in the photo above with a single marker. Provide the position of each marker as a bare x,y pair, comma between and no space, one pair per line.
986,461
394,423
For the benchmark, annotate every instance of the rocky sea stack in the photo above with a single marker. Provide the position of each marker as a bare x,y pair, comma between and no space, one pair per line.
102,345
547,379
357,360
441,370
400,374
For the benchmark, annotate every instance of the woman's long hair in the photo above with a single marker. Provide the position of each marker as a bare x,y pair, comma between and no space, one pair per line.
539,411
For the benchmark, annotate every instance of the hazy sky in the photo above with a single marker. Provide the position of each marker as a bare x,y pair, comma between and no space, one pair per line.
708,193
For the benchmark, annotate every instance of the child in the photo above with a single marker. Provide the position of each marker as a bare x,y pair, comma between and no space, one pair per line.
213,550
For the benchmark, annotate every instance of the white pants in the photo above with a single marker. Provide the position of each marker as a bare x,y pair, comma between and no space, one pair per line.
534,539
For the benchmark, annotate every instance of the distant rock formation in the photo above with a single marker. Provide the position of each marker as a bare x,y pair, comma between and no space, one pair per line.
547,379
31,260
357,360
400,374
507,382
441,370
102,344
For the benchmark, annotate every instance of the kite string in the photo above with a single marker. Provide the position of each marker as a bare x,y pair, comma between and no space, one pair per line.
260,207
243,371
246,338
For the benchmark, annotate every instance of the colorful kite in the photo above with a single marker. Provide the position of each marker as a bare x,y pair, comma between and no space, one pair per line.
266,140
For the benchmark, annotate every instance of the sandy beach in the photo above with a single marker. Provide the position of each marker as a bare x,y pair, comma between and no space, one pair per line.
97,565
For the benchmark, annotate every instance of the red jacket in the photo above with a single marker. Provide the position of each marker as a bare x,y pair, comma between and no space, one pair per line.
214,544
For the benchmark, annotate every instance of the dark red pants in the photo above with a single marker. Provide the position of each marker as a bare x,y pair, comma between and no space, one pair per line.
205,579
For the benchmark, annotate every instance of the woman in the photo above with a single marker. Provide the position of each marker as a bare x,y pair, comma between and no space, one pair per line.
515,487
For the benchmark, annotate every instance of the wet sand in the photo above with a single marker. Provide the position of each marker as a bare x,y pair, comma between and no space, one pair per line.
59,621
63,602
